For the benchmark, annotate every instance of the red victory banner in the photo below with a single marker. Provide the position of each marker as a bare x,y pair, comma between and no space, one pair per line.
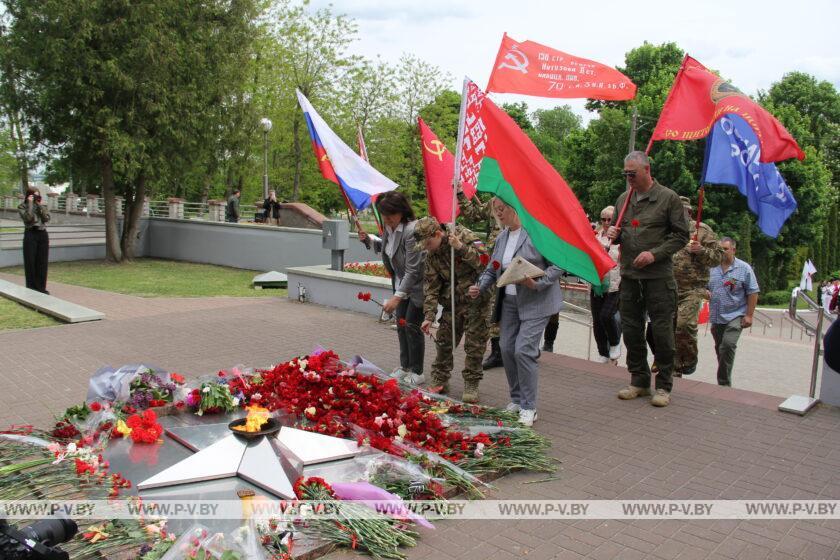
529,68
699,97
439,168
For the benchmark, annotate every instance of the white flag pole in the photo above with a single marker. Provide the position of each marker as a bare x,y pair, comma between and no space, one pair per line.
459,147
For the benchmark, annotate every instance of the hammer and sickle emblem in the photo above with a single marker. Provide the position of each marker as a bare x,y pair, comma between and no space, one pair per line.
518,61
438,150
325,157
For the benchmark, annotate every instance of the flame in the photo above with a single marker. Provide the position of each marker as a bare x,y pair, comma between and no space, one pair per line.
257,417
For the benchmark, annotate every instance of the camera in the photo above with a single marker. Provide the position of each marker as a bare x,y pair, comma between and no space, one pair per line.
37,541
37,198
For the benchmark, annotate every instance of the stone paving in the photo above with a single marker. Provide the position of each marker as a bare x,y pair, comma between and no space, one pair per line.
711,443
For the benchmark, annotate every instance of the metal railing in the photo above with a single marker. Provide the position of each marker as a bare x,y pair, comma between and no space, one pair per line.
797,404
588,324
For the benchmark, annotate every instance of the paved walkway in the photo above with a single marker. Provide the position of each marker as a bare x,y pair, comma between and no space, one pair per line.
709,444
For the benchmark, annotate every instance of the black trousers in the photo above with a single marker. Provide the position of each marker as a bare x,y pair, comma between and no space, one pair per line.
606,329
658,298
36,256
412,341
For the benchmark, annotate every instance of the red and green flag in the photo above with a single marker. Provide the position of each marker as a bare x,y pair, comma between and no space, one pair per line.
515,171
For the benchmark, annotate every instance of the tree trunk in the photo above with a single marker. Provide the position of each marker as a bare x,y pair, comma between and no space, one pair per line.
133,214
298,156
113,252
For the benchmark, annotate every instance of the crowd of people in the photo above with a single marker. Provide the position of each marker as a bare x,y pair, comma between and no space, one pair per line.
667,263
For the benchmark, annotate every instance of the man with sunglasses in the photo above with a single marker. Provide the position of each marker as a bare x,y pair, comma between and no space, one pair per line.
652,230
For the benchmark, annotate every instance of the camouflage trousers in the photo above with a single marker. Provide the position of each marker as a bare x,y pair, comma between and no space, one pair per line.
685,334
471,324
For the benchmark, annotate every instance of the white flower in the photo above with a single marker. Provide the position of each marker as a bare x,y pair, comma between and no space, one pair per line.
71,448
403,431
206,390
479,450
235,401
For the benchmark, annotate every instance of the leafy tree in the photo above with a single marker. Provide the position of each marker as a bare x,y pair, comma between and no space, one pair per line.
128,87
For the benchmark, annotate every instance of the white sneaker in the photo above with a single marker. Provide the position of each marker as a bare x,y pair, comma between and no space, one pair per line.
398,373
602,359
615,352
512,407
527,417
414,378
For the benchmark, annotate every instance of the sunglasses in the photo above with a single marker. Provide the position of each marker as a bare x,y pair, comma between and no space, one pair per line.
606,219
629,174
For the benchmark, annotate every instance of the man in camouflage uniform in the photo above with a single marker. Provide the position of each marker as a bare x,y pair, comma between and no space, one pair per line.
691,271
470,315
474,210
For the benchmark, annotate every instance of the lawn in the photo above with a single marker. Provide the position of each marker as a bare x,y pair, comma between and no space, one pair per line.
15,316
156,278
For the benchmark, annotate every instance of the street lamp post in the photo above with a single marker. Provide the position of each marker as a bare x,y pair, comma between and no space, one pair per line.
266,126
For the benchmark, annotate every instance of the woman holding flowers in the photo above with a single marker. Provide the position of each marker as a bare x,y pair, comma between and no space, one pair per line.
523,308
405,265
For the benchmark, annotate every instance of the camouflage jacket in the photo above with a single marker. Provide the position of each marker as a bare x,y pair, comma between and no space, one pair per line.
474,210
468,267
34,216
691,271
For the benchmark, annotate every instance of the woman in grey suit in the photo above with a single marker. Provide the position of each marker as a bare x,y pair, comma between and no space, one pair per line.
405,265
524,309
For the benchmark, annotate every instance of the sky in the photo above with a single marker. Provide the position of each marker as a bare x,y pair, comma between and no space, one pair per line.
751,42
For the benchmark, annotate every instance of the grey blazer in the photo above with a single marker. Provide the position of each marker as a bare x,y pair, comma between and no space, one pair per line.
407,262
546,300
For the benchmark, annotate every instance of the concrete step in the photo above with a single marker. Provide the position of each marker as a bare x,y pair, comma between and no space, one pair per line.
50,305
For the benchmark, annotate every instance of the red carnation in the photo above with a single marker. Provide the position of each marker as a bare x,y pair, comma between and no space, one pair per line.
497,265
177,378
484,259
634,223
401,322
95,406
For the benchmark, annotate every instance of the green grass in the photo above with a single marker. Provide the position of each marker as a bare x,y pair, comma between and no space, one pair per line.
15,316
156,278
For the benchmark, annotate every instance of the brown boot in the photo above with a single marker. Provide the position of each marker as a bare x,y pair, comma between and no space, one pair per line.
661,398
440,386
632,392
470,392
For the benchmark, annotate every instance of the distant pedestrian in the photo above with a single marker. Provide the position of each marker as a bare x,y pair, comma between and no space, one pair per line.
734,294
232,208
36,241
271,206
604,306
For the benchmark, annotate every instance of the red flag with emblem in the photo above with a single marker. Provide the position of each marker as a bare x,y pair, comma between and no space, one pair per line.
529,68
699,97
439,167
703,317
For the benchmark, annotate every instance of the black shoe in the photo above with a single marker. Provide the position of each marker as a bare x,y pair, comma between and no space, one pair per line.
495,358
689,370
548,347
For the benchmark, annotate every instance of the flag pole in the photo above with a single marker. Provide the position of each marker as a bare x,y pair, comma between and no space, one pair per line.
459,148
699,210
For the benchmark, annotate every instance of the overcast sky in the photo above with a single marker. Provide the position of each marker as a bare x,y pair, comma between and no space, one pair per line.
751,42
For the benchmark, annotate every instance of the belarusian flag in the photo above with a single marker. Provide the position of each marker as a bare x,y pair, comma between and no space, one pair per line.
515,171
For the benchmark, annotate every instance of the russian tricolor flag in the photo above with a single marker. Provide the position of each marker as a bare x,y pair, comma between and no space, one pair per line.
340,164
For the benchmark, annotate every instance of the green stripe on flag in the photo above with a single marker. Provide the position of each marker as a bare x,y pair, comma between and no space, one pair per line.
549,244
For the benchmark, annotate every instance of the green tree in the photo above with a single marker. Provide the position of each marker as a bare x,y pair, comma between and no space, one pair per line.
129,87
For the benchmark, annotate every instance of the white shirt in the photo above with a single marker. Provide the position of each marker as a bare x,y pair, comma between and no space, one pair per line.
390,249
507,256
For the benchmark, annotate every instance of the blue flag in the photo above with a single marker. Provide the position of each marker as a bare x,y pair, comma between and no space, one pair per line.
733,158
